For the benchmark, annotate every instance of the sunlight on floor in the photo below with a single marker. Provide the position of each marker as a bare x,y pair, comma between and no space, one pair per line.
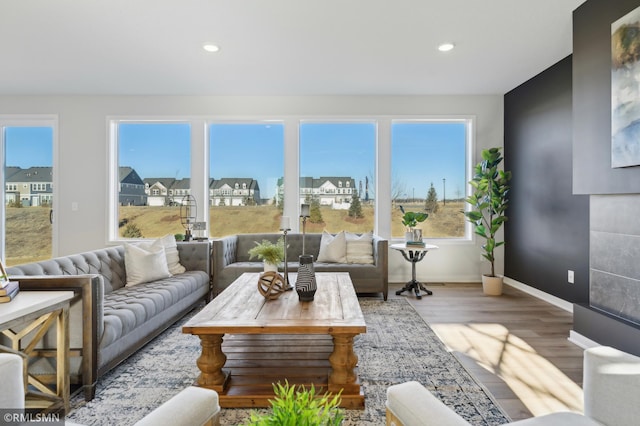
537,382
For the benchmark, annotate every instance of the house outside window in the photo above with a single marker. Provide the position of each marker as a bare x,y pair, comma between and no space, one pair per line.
352,145
147,154
246,158
336,163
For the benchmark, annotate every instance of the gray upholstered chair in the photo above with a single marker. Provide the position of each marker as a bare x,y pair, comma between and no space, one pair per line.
611,388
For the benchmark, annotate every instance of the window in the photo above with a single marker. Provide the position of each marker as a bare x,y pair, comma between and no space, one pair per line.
332,156
428,166
151,155
241,188
28,177
248,156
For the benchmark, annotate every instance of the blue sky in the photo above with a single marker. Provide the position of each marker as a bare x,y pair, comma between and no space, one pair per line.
423,153
156,150
248,151
29,146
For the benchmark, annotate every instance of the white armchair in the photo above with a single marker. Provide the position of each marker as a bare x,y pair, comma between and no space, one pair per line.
611,397
193,406
12,378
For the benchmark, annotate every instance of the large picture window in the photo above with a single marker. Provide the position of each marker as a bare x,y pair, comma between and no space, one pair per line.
428,169
246,162
337,164
240,167
28,180
154,169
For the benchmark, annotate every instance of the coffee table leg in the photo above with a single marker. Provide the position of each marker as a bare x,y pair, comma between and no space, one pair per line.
343,362
211,362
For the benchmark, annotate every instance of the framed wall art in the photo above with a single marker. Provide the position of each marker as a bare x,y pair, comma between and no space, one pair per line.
625,90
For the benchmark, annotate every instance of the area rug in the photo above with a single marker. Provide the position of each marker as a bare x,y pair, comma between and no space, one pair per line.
398,346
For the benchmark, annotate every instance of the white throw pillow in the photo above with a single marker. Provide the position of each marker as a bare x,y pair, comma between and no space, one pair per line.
145,262
171,252
333,249
360,248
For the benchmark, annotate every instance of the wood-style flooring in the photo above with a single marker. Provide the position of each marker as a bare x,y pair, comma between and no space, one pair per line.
515,345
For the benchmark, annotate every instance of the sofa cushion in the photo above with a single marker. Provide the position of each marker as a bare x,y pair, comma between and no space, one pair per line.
145,262
333,248
171,253
128,307
360,248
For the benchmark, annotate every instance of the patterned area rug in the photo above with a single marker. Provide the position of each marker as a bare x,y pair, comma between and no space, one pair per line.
398,346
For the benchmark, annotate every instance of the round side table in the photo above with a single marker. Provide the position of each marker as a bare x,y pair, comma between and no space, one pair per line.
414,254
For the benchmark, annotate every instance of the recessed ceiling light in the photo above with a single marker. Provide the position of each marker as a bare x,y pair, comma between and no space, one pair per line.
210,47
445,47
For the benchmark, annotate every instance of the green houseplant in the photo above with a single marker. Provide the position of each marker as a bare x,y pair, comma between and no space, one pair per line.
272,254
410,220
300,406
489,202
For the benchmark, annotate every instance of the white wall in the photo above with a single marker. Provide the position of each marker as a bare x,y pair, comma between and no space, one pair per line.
82,175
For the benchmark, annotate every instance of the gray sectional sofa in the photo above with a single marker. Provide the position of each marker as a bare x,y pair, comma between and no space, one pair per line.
230,260
109,321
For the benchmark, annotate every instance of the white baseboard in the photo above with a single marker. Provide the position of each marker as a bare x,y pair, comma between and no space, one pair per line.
581,341
556,301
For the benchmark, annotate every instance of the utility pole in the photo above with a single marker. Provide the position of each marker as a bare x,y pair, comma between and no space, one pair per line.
444,192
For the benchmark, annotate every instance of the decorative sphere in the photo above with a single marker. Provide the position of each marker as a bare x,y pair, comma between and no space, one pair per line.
271,285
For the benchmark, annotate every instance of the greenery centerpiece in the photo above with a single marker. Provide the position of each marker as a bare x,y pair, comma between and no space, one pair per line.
300,406
489,202
270,253
410,220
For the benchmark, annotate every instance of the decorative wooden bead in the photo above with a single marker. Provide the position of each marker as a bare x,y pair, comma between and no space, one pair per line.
271,285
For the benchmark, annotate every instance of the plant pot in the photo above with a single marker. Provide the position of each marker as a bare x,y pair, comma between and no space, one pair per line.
270,267
408,236
491,286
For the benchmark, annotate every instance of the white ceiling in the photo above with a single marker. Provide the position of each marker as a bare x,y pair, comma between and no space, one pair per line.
278,47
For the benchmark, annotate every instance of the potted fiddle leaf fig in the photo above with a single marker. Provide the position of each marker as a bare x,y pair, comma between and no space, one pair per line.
410,220
489,202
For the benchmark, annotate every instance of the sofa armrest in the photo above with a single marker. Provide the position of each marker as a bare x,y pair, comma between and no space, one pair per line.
381,260
192,406
411,404
88,303
195,256
380,251
224,254
224,251
611,383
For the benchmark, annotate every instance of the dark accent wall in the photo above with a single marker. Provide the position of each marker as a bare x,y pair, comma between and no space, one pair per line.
592,172
547,233
612,316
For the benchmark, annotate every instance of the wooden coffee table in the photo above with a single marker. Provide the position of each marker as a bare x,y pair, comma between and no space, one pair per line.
268,341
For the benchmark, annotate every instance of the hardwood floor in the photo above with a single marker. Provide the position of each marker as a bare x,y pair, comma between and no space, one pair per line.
515,345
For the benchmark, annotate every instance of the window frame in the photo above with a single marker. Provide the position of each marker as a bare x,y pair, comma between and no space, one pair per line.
113,149
31,120
200,164
469,122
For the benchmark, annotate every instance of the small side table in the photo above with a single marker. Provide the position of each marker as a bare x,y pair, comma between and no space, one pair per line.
414,254
36,312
